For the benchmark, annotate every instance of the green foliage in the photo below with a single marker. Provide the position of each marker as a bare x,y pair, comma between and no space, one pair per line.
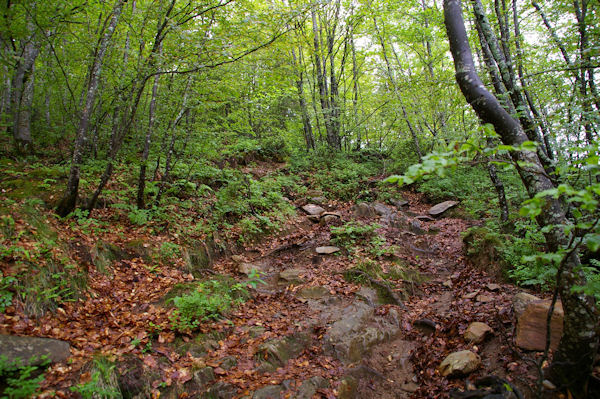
351,232
22,381
102,383
6,293
207,300
169,250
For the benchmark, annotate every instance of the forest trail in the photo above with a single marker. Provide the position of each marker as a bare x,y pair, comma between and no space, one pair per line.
324,324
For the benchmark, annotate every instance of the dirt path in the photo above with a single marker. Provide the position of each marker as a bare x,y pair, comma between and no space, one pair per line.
313,329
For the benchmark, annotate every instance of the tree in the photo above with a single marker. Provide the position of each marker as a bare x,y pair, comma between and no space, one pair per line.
576,353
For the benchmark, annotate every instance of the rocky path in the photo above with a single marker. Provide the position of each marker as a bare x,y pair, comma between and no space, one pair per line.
312,331
325,322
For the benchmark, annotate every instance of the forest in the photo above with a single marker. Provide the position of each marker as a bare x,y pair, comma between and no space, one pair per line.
299,199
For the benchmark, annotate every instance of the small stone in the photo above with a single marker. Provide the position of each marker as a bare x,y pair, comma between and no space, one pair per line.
426,326
247,267
549,385
315,292
399,203
364,210
442,207
327,250
484,298
318,200
415,227
292,276
328,219
447,283
471,295
382,209
459,364
521,300
493,287
477,331
313,209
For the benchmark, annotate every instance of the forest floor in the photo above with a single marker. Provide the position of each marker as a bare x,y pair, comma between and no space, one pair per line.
322,324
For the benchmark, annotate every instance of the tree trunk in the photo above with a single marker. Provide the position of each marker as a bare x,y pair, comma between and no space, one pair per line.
69,200
575,355
22,95
306,125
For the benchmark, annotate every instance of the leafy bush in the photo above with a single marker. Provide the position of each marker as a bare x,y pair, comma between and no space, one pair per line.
208,300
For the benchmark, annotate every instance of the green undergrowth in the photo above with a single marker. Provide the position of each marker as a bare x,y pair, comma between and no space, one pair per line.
206,300
20,380
471,186
38,270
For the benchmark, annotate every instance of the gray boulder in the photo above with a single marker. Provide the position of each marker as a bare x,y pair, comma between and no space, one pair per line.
29,350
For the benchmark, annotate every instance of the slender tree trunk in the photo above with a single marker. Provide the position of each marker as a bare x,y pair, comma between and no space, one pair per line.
69,200
148,140
306,125
22,95
576,353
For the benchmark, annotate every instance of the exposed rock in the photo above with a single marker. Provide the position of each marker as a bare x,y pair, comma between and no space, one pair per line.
549,385
531,326
364,210
477,331
315,292
520,302
221,390
329,219
493,287
484,298
459,364
228,362
314,193
268,392
438,209
247,267
292,276
399,203
382,209
310,386
426,326
276,352
448,284
350,337
318,200
369,295
29,350
204,376
415,227
313,209
471,295
327,250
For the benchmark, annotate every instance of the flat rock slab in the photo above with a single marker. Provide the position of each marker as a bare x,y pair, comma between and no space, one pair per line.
315,292
327,250
292,276
442,207
313,209
29,350
531,326
459,364
399,203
